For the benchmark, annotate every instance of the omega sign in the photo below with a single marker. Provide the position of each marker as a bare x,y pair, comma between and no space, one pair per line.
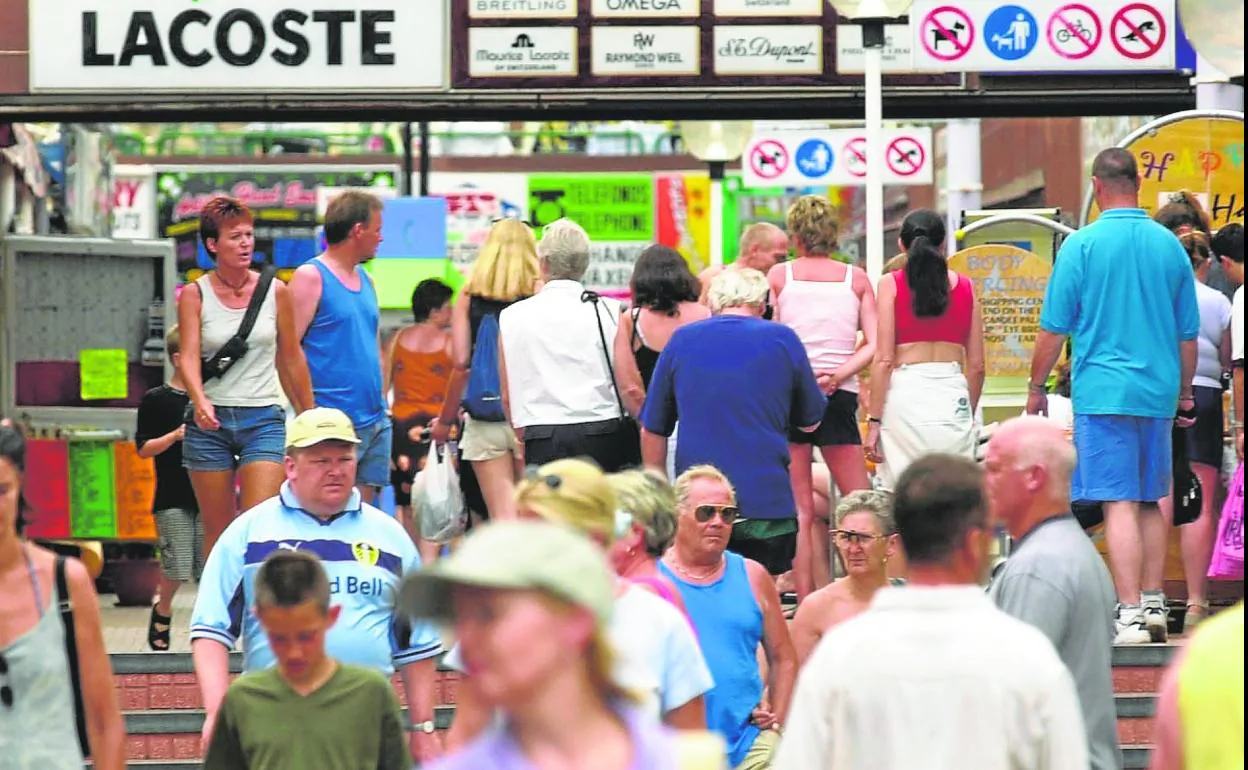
229,45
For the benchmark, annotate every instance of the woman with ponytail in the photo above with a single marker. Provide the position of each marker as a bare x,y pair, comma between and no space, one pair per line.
928,371
1186,218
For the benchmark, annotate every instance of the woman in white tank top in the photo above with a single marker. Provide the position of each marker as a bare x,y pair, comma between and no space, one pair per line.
237,421
828,304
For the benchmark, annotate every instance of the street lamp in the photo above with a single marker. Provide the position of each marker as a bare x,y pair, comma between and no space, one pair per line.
716,143
872,15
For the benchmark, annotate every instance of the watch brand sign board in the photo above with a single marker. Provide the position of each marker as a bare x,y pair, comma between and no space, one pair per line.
1043,35
228,45
835,158
589,44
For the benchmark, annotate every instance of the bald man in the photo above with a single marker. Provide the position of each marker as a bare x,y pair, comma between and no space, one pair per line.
763,245
1054,578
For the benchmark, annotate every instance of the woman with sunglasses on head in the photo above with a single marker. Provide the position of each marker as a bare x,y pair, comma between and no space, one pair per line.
37,711
506,271
865,540
645,527
659,657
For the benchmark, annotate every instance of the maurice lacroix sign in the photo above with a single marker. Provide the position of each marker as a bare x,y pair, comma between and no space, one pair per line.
236,46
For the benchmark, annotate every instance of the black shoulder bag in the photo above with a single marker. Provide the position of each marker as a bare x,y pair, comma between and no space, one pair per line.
71,654
236,347
629,433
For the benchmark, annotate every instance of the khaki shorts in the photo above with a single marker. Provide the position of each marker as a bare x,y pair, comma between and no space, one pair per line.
486,440
760,754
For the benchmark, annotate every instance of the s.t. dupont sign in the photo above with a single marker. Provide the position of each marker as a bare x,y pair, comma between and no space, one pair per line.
237,46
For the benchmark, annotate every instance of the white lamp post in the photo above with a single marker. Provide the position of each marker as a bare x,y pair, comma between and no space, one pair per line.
716,143
872,16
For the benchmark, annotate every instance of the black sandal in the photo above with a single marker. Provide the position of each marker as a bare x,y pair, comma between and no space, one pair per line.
156,639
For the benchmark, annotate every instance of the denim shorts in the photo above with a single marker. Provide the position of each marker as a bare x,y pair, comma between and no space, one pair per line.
248,434
373,454
1121,459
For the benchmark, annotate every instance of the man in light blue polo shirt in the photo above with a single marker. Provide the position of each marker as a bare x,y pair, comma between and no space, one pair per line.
365,554
1123,289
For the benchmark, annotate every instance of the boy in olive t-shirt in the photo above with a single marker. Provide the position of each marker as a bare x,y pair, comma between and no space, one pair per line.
310,712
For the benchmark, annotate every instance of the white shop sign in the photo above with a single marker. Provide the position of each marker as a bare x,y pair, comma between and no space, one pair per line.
232,46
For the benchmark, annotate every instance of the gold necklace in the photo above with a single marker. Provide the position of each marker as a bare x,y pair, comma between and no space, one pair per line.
694,576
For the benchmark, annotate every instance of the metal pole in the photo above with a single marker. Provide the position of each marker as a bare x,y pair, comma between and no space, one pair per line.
717,212
405,177
426,159
963,175
873,45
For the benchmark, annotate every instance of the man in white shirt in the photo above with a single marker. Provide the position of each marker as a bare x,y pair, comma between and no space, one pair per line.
557,367
933,675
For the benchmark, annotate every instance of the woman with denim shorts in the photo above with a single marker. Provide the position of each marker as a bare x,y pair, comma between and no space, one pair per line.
236,422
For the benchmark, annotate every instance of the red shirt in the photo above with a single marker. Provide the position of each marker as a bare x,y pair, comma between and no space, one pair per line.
953,325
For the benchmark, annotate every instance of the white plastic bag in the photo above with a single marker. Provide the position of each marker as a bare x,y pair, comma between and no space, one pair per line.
436,497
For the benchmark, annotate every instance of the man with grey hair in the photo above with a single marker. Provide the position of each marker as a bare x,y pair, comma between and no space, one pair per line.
866,539
737,384
1055,580
763,245
556,366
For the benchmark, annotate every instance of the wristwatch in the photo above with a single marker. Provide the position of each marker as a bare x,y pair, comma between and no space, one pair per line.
428,727
1038,387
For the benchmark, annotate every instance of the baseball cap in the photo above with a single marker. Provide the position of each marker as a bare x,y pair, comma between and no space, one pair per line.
516,555
317,425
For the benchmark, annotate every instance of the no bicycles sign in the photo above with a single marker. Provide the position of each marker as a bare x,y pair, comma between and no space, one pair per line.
1043,35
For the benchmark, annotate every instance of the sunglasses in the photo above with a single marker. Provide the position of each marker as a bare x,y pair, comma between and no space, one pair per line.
850,537
727,513
6,692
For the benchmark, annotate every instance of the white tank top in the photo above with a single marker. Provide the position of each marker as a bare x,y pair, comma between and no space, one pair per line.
824,314
252,381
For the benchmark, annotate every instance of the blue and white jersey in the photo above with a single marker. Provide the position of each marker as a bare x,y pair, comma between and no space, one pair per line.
365,553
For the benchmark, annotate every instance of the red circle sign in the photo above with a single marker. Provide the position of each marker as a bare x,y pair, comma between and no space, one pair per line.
769,159
947,33
1074,31
855,155
905,156
1138,31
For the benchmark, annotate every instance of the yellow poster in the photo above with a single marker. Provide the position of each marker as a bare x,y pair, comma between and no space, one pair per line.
1010,285
1203,155
102,374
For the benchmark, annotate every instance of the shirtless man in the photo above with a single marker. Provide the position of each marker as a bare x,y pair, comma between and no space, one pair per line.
865,538
762,246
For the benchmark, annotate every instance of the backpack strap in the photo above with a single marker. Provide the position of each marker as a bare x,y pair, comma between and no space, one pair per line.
71,654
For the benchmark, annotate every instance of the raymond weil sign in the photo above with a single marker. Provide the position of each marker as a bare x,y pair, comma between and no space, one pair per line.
236,46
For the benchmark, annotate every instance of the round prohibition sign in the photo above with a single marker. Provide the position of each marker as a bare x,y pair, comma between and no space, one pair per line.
905,156
855,155
1074,31
947,33
1137,31
769,159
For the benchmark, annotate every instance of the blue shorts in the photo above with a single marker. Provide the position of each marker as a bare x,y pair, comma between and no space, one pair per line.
373,454
248,434
1122,458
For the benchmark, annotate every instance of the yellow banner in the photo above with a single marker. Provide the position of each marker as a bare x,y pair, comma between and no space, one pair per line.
1010,285
1203,155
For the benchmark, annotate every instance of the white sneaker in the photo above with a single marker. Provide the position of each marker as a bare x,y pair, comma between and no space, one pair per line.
1129,626
1157,622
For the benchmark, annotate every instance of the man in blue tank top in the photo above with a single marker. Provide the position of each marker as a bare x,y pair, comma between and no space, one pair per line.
338,319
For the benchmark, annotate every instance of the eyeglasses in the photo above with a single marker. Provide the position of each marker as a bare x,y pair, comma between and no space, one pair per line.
552,481
850,537
6,692
623,523
727,513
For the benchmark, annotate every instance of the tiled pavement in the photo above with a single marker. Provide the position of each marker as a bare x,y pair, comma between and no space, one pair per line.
125,628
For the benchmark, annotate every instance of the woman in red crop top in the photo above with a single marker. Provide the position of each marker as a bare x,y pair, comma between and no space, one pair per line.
928,371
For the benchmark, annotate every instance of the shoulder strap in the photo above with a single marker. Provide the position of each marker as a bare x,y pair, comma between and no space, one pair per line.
635,337
257,300
592,297
71,654
788,272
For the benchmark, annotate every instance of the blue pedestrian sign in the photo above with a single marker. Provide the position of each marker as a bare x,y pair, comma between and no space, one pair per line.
814,158
1010,32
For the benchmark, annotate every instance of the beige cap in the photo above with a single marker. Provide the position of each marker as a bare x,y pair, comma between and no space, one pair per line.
317,425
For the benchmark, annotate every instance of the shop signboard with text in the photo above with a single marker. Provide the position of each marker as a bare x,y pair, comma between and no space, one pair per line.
236,47
528,44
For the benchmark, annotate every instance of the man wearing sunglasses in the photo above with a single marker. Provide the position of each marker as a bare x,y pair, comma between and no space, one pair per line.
734,607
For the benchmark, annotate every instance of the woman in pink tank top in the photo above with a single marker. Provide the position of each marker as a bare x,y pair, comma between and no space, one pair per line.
928,371
830,306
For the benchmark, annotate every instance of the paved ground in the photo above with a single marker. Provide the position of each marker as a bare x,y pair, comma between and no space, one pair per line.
125,628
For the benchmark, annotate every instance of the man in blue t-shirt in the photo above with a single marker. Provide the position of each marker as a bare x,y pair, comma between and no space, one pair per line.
1122,288
365,554
338,320
737,384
